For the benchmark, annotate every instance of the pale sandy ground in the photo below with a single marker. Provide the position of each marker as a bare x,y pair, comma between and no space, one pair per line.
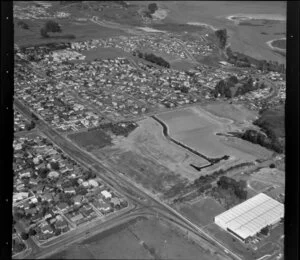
149,141
148,29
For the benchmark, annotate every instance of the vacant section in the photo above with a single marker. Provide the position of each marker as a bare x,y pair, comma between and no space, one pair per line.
202,212
91,140
147,172
142,239
104,53
148,140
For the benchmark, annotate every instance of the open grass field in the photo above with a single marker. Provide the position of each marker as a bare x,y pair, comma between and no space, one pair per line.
237,113
104,53
202,212
181,65
271,176
82,31
90,140
197,128
259,186
142,239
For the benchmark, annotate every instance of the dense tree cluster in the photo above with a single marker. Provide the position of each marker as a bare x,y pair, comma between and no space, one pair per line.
238,187
152,58
268,140
50,26
222,37
231,87
24,236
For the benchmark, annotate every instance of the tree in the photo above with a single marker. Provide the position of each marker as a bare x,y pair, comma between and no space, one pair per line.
272,165
43,172
32,232
265,230
222,37
57,232
52,26
54,166
152,8
24,236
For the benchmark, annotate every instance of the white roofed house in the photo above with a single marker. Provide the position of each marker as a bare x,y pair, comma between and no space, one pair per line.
53,174
106,194
93,183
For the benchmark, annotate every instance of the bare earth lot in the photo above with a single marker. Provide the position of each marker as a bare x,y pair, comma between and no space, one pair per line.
143,239
151,175
148,140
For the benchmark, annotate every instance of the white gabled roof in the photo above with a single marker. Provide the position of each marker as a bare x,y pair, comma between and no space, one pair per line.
249,217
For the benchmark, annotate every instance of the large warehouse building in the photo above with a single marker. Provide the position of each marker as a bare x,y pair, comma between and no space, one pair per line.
248,218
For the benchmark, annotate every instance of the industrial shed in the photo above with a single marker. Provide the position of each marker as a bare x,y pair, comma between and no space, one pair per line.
248,218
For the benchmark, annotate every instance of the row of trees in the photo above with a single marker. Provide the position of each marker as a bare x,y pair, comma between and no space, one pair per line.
203,183
243,60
